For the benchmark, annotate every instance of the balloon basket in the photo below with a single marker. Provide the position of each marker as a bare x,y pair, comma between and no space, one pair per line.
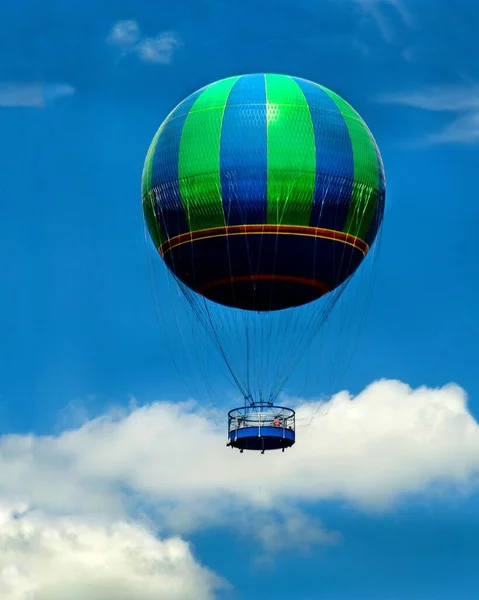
261,427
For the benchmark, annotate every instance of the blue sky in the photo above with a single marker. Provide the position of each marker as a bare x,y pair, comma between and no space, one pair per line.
378,500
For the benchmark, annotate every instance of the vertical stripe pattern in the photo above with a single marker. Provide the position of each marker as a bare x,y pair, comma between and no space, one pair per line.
366,177
150,213
291,152
243,153
263,149
164,172
334,159
199,158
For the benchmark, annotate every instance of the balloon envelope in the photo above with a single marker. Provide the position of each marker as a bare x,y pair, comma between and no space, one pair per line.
263,192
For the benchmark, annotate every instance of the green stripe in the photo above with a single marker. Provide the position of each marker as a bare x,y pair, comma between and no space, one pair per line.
147,196
365,190
199,158
291,152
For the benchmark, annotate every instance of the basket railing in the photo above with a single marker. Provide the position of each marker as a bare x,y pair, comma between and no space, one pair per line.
261,416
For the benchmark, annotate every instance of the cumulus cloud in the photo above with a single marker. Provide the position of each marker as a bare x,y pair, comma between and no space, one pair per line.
68,500
370,449
463,100
158,49
42,558
33,95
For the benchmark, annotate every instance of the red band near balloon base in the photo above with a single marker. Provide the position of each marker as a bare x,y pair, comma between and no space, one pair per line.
263,277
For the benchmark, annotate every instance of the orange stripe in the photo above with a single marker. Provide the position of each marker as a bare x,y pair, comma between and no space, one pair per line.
262,277
317,232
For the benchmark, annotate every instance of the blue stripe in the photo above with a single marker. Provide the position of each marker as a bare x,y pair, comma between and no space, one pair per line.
334,159
243,152
169,206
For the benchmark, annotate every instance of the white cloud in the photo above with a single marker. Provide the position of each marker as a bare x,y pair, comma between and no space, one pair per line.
124,33
68,500
159,49
464,130
42,558
369,450
291,530
462,100
438,98
374,9
34,95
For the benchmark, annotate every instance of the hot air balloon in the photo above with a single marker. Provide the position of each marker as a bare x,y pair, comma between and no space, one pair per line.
262,193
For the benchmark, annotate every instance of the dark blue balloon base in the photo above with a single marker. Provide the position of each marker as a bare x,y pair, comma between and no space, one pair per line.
263,271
